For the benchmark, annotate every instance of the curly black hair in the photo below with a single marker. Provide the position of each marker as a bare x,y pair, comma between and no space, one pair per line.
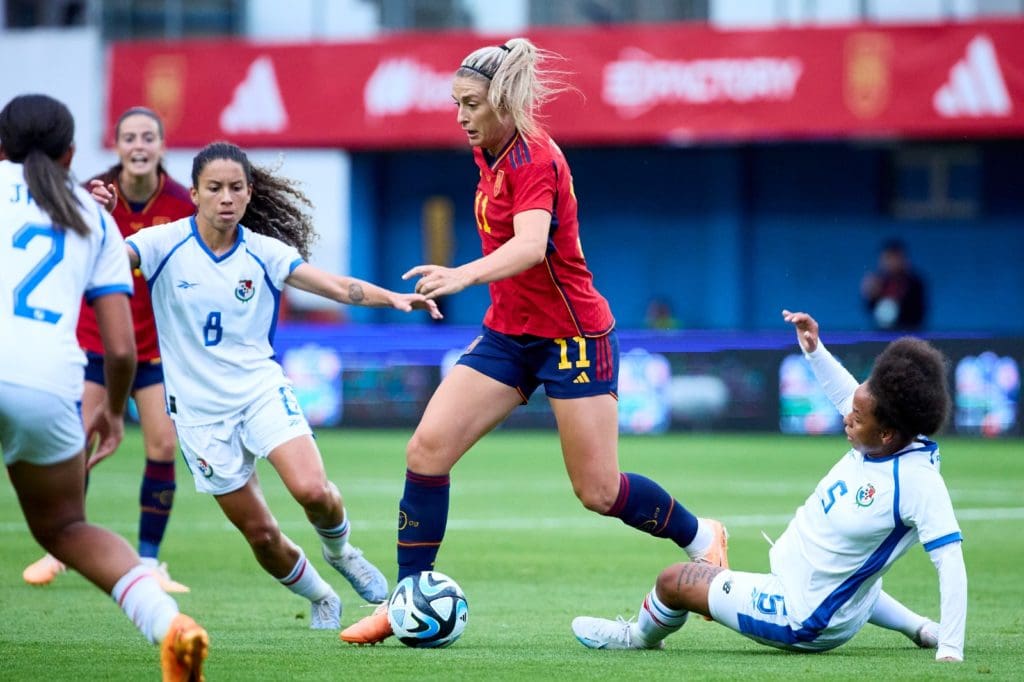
277,208
910,387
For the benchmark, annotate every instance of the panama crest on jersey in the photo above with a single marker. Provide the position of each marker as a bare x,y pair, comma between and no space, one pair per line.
866,495
204,467
245,290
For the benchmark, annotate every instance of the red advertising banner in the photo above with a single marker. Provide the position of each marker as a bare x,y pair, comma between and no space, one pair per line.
678,83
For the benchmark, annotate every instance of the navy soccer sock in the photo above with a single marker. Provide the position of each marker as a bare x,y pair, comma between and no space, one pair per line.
155,500
422,518
646,506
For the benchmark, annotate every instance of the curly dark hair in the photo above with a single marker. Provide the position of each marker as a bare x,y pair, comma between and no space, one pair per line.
910,387
277,208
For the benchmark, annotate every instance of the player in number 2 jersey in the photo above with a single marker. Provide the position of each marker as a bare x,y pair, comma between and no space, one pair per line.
56,246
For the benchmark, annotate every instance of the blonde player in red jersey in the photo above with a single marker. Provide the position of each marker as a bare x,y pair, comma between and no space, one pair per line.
547,325
145,195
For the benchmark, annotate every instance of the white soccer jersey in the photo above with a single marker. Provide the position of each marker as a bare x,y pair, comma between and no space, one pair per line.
215,316
863,515
44,272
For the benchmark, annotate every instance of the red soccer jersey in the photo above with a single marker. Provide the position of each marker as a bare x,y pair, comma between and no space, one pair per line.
556,298
170,202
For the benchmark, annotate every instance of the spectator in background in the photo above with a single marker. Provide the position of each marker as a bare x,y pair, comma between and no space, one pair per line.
145,195
895,294
659,314
57,247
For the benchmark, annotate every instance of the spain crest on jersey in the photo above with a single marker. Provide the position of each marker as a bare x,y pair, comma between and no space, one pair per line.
245,290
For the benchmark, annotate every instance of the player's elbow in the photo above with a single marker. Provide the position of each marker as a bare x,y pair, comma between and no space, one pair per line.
119,354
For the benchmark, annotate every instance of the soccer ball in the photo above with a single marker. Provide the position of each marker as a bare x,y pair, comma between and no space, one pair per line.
428,609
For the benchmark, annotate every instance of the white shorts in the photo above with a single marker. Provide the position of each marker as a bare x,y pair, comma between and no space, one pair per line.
222,456
38,427
754,605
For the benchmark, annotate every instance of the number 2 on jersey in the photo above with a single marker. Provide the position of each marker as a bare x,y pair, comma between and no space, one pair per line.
26,286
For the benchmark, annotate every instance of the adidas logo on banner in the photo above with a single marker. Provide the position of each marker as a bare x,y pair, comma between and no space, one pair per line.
975,87
256,106
582,378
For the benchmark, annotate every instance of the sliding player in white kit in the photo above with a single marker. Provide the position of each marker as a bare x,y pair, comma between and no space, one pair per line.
56,246
883,497
216,286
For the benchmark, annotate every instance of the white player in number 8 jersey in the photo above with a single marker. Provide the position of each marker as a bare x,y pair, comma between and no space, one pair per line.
884,496
216,281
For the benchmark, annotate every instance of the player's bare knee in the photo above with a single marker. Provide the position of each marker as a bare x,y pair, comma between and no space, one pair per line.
423,456
316,496
670,582
262,537
162,449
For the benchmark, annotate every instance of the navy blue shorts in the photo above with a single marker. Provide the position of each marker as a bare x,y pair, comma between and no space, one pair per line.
148,372
575,367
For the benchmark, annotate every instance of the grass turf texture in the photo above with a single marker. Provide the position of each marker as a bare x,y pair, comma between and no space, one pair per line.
529,558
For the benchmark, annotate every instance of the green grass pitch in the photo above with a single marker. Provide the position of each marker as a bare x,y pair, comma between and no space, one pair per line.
529,558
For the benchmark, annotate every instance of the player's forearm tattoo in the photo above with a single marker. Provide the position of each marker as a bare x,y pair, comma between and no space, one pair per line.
356,293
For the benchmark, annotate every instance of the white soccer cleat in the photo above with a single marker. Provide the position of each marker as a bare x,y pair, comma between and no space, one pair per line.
602,633
927,636
365,578
326,613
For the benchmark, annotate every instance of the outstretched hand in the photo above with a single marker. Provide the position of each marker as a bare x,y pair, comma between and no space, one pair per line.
436,280
105,195
806,329
409,302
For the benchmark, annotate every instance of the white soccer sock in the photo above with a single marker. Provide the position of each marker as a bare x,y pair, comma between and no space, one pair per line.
335,539
891,614
149,608
701,541
656,621
305,581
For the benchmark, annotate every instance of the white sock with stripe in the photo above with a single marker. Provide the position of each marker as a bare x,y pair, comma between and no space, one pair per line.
335,539
656,621
305,581
151,609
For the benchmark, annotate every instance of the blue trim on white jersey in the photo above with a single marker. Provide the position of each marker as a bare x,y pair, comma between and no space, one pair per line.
896,519
156,273
943,541
295,263
919,444
92,294
215,258
274,291
764,630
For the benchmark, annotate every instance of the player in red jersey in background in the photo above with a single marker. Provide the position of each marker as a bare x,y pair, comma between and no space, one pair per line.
547,325
146,195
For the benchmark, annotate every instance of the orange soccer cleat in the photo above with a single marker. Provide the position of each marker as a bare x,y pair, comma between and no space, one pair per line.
43,571
372,629
183,651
